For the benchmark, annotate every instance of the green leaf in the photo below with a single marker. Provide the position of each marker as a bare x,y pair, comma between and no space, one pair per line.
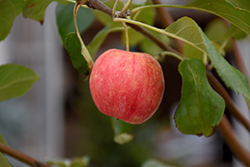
15,80
80,162
191,52
245,4
216,30
100,37
97,41
225,9
76,162
65,21
201,108
154,163
35,9
188,31
121,129
235,33
150,47
232,77
73,46
2,141
4,161
57,163
9,10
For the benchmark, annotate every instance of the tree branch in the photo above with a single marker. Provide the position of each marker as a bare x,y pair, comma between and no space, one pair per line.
230,104
238,59
229,136
21,157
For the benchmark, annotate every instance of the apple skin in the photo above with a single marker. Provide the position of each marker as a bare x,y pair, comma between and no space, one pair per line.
127,85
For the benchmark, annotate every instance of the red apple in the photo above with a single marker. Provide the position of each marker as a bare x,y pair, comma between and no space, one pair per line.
127,85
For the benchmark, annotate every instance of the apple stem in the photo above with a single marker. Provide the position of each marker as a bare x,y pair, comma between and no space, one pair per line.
126,35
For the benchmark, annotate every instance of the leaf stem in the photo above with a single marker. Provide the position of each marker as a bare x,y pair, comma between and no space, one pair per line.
114,7
165,53
126,6
162,31
230,104
155,6
223,45
21,157
84,50
229,136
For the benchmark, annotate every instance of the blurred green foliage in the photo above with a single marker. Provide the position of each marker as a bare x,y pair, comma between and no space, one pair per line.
96,138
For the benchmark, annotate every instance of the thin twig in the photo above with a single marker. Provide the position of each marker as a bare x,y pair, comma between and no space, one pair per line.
166,20
96,4
230,104
229,136
21,156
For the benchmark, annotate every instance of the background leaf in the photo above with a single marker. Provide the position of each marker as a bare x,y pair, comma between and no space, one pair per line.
97,41
235,33
154,163
76,162
9,10
200,108
150,47
216,30
4,161
15,80
121,129
79,162
65,21
73,46
188,31
2,141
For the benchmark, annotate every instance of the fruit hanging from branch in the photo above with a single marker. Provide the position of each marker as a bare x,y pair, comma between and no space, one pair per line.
127,85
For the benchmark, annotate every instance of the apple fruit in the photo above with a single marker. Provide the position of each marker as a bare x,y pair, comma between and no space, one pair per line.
127,85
